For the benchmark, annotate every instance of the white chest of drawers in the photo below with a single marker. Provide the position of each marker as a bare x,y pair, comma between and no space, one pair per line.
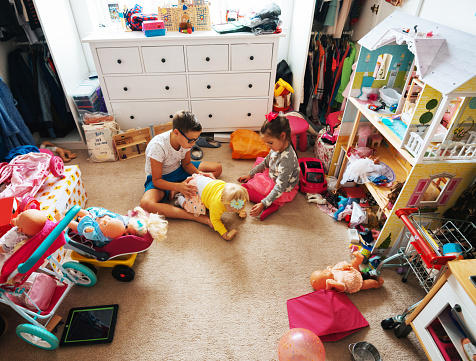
227,81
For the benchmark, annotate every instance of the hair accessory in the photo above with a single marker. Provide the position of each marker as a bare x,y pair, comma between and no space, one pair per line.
237,203
270,116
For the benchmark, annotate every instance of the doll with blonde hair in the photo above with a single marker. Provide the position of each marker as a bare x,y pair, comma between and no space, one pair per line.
218,197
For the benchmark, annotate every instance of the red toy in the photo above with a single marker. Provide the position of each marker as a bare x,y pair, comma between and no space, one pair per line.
311,176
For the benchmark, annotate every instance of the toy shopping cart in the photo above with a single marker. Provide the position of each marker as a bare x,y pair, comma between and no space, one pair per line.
27,263
430,243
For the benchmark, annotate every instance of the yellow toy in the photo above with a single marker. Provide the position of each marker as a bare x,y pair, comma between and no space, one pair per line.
281,86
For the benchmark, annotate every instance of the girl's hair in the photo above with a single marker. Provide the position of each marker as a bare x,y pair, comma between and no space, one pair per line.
233,191
276,126
186,121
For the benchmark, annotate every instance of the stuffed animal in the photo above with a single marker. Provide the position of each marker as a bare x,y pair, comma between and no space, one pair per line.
345,277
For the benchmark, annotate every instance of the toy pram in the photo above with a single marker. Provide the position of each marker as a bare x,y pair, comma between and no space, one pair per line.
432,243
120,253
28,259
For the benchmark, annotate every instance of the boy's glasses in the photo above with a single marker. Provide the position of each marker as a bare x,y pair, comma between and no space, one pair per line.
190,141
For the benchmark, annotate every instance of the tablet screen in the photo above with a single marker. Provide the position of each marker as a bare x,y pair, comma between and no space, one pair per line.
89,325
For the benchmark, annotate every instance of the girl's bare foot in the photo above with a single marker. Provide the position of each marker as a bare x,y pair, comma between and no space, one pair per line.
205,220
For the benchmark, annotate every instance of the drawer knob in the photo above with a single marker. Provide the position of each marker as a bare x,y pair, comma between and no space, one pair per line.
125,88
163,60
209,115
207,58
171,116
250,85
252,57
119,61
209,86
132,117
249,114
167,87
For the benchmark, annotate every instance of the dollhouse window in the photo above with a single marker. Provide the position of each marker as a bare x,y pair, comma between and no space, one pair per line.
382,67
435,191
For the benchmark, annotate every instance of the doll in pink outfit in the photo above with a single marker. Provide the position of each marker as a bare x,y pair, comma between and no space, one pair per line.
345,277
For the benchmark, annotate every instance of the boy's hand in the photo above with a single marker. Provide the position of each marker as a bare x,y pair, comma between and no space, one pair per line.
257,209
244,178
187,190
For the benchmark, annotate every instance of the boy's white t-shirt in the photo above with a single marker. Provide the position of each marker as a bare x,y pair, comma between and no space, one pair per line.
160,149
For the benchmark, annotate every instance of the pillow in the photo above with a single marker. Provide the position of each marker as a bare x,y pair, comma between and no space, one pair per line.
246,144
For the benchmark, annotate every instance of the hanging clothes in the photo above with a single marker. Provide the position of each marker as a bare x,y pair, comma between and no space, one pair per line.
346,72
13,131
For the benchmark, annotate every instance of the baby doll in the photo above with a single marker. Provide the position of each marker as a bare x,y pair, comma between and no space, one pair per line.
345,277
101,226
26,225
218,197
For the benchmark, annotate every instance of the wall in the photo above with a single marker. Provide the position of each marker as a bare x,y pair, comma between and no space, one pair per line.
457,14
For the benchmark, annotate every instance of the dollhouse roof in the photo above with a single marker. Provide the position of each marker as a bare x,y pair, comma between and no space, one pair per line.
445,60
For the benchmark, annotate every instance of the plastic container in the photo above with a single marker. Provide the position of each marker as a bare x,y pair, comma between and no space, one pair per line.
85,95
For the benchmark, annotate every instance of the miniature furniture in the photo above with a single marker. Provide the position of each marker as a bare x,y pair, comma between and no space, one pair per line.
299,127
227,81
453,290
132,143
417,159
375,140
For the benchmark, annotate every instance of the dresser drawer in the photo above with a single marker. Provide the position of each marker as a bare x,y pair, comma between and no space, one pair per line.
207,57
146,87
230,114
142,114
163,59
229,85
120,60
251,56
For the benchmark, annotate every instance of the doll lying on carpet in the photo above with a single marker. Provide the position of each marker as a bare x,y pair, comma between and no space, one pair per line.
101,226
219,197
345,277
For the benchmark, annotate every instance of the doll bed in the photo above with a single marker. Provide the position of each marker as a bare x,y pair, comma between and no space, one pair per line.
30,258
119,254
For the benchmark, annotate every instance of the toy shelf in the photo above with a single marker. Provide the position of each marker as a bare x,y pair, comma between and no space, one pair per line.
390,136
132,143
380,193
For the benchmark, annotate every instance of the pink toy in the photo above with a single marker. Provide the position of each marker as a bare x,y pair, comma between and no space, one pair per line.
26,173
311,176
364,132
153,25
375,140
301,344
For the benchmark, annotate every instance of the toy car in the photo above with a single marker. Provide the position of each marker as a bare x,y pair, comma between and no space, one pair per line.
311,176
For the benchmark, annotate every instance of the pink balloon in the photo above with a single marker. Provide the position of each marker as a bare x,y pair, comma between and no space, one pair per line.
300,344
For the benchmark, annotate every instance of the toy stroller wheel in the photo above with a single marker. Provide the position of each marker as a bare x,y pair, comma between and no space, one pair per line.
388,323
37,336
90,266
56,166
80,274
404,280
29,203
123,273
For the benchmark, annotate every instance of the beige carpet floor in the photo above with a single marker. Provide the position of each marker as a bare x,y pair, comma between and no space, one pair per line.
198,297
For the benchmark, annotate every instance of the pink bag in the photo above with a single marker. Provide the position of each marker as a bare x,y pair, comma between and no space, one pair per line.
361,152
331,315
41,292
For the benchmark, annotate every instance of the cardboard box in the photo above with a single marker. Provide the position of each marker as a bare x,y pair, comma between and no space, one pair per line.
58,195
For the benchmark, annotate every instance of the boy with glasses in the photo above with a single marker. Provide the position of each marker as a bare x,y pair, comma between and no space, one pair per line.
168,163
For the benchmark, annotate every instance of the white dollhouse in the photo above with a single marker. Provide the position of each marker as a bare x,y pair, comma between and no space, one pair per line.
425,73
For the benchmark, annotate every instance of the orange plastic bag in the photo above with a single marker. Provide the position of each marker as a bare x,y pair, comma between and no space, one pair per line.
246,144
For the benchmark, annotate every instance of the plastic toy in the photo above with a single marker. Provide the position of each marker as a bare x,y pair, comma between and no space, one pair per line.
312,178
376,107
345,277
9,209
301,344
282,96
